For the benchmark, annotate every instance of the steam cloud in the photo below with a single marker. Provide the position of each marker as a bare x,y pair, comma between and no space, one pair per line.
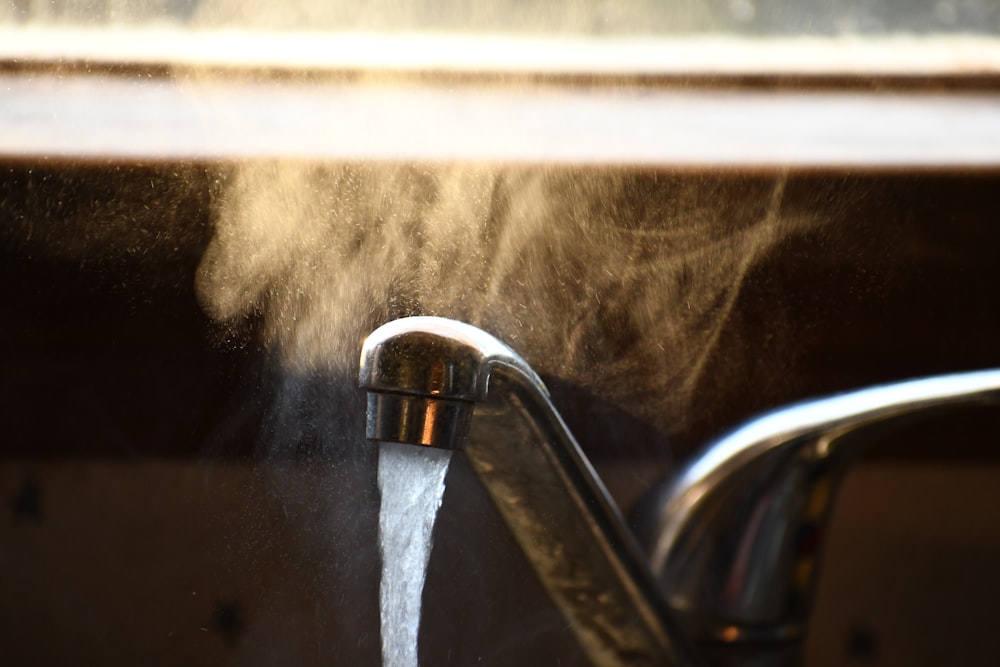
616,283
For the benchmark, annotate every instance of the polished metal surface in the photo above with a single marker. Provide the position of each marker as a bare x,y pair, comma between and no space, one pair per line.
420,373
736,538
424,375
436,357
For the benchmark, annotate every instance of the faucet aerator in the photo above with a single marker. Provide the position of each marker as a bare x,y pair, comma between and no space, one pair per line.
418,420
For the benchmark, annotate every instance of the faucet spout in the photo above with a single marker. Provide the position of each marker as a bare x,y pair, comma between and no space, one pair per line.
441,383
424,376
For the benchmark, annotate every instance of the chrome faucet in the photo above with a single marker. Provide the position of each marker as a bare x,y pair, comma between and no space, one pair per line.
731,544
440,383
735,539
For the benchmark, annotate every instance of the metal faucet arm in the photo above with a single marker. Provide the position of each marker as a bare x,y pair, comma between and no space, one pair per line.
735,539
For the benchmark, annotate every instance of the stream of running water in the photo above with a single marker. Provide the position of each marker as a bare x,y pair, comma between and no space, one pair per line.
411,481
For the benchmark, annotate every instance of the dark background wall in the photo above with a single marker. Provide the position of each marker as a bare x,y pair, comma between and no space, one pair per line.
162,508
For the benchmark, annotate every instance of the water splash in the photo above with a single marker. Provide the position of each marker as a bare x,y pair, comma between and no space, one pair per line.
411,480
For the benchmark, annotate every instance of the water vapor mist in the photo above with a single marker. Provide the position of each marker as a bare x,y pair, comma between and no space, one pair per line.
616,283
